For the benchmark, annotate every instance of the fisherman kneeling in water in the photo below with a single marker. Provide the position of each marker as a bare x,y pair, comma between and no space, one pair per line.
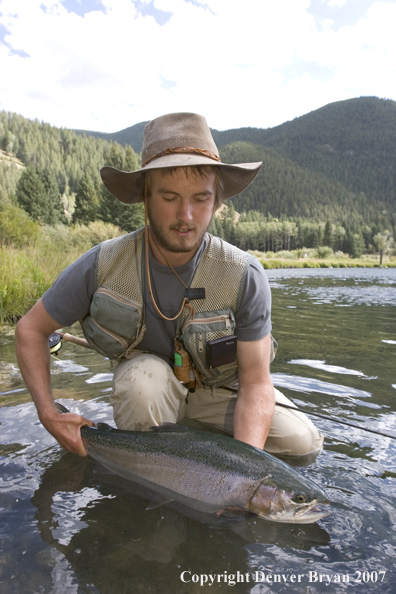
186,314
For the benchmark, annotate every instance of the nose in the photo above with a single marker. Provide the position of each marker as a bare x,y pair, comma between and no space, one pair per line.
184,212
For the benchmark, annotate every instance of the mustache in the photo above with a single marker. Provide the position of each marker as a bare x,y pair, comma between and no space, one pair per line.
179,226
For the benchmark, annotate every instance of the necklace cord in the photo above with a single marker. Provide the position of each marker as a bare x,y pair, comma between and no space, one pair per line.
186,302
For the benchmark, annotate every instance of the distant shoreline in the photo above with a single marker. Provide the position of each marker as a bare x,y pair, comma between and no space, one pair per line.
28,270
274,263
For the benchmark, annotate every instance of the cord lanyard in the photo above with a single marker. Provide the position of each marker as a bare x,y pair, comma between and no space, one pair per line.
189,293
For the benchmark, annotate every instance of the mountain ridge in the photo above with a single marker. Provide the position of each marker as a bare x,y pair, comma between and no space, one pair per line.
351,142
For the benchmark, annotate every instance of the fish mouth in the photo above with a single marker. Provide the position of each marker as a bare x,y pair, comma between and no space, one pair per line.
298,514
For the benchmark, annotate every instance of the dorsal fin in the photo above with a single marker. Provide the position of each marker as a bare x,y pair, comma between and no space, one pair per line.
104,427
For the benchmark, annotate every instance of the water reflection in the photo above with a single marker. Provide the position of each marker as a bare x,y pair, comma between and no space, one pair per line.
306,384
68,528
322,365
95,522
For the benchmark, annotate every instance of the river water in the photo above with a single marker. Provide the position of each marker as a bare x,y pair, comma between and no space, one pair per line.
66,528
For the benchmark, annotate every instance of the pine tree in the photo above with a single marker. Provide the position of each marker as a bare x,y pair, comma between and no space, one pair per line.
87,200
38,193
127,216
328,234
56,212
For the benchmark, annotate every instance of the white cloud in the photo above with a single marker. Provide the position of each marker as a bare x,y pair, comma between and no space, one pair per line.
255,63
337,2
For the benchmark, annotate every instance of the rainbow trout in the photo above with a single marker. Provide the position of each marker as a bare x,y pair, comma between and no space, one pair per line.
208,472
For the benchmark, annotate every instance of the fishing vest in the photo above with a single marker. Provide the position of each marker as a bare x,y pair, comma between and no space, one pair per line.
115,325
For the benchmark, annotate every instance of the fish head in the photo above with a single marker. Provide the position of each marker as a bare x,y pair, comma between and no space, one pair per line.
288,505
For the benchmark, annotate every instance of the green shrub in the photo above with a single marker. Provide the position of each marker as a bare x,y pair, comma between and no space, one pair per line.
324,252
82,237
16,227
286,255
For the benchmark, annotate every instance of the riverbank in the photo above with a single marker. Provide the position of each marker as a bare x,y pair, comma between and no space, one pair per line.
311,263
33,257
312,259
28,270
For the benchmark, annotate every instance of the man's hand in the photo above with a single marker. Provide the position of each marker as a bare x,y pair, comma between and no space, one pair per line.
31,339
65,427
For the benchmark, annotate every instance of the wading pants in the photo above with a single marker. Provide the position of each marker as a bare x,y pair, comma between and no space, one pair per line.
146,393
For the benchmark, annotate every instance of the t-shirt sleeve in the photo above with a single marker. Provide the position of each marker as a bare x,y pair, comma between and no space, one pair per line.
68,299
253,318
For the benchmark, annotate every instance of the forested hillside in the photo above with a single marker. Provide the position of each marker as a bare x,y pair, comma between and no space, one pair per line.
60,181
132,136
351,142
328,178
282,188
351,145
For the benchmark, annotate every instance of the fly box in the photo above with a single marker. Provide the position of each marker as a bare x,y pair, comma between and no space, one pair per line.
221,351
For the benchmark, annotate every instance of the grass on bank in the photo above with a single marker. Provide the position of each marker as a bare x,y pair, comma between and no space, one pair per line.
32,256
322,257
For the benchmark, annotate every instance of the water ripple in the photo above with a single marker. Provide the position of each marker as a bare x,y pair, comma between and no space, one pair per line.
308,385
322,365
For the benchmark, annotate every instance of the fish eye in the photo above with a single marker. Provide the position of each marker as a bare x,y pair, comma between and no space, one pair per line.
300,498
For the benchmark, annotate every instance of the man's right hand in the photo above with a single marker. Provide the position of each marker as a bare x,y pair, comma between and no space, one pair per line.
65,427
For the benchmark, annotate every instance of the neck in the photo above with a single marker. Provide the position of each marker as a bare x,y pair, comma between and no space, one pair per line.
165,257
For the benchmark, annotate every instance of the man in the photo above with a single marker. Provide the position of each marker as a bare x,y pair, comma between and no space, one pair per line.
186,315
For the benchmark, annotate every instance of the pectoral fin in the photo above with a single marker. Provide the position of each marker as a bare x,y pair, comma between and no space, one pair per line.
234,512
155,504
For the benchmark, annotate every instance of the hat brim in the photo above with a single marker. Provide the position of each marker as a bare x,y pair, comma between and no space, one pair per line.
126,186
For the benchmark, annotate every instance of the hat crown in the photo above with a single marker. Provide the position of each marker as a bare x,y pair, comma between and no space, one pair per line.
177,130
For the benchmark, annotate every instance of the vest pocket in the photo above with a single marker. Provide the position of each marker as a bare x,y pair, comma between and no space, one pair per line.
207,326
113,324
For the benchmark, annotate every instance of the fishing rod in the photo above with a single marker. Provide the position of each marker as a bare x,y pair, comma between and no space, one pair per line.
327,417
55,343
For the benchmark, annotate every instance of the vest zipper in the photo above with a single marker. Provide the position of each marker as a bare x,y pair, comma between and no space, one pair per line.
221,318
200,342
120,299
116,337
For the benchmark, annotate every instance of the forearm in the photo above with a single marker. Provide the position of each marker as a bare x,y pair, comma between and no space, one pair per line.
31,337
253,413
34,363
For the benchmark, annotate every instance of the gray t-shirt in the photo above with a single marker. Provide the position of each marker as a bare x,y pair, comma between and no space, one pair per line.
68,300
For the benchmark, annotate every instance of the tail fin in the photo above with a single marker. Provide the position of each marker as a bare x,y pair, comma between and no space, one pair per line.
60,408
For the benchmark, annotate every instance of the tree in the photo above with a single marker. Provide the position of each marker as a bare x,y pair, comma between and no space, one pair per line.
87,200
127,216
353,243
328,234
382,242
38,193
56,212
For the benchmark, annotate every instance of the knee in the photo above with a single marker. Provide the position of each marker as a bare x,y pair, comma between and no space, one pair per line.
292,433
145,393
143,376
298,441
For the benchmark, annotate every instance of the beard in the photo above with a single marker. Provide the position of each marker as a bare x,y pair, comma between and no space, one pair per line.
170,242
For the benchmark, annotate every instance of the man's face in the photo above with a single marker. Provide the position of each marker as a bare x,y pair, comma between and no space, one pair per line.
180,209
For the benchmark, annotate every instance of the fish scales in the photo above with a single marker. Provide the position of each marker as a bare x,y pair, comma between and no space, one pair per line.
212,477
206,471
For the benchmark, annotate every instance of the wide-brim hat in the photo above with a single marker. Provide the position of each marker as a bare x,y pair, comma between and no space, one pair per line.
177,140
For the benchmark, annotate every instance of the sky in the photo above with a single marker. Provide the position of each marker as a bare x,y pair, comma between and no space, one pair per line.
105,65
